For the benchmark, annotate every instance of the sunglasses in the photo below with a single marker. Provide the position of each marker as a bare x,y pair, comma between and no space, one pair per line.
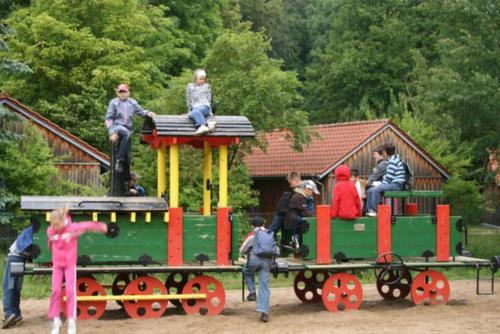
123,91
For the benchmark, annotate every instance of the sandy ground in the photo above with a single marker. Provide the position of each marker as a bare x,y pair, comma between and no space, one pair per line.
465,313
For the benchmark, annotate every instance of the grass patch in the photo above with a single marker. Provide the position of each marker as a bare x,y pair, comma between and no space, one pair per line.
483,242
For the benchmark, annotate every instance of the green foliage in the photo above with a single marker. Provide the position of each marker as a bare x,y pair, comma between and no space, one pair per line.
283,22
462,194
26,168
465,199
90,47
247,82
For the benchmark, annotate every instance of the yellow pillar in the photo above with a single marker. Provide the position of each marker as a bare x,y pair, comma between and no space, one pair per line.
207,177
223,176
161,162
174,176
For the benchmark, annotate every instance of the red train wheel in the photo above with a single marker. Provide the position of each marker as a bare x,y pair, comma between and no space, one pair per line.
392,285
430,287
216,296
341,292
308,284
120,283
175,282
142,309
86,286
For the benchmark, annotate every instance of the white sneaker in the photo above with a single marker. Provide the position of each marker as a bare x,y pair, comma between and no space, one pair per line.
56,325
201,130
211,126
71,326
371,213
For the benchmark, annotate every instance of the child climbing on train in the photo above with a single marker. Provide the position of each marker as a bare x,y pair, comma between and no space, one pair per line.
298,209
62,237
346,203
260,249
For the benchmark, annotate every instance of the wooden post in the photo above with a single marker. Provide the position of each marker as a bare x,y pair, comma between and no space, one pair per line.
223,176
384,233
323,234
174,176
161,162
207,178
443,232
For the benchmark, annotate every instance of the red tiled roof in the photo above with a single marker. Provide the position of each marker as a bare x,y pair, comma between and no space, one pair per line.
336,141
17,106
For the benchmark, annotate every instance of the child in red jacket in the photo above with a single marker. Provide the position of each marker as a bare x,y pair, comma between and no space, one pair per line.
345,203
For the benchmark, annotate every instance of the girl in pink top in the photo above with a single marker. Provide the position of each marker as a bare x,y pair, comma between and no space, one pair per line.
62,236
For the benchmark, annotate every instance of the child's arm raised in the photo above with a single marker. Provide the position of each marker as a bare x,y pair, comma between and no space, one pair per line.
89,226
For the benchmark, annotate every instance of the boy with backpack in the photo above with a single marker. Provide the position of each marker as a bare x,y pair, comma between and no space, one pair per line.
260,249
394,179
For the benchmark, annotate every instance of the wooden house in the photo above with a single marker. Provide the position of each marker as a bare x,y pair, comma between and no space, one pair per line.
343,143
81,163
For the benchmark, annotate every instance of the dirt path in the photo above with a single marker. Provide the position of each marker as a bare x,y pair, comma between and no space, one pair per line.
465,313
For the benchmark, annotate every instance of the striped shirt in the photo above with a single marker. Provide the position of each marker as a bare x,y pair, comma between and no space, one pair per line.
395,172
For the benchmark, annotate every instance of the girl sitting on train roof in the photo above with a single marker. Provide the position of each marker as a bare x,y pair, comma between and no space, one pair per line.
62,237
199,102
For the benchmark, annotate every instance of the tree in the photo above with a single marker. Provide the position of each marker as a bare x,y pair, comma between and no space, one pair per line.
27,167
283,23
245,81
460,192
365,56
90,47
199,22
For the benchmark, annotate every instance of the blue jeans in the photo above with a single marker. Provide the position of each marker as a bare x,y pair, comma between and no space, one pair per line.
373,194
123,144
11,289
263,268
277,224
199,114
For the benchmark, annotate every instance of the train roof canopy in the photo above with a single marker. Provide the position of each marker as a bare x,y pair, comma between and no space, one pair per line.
179,129
77,203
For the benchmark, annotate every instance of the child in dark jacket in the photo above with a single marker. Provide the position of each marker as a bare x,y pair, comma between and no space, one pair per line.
346,203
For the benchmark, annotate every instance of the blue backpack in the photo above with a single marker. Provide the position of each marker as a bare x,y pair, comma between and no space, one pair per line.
264,244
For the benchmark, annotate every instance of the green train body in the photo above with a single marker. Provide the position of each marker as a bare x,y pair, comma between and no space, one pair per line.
141,241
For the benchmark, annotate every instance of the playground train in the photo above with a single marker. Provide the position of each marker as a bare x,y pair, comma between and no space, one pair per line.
159,239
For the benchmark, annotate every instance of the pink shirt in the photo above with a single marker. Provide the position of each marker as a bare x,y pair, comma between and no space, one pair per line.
64,243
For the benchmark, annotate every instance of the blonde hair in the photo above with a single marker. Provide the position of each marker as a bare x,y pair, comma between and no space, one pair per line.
199,73
58,215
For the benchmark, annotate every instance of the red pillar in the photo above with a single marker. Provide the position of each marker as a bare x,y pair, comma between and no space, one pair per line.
175,237
384,235
411,209
323,234
443,232
223,236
